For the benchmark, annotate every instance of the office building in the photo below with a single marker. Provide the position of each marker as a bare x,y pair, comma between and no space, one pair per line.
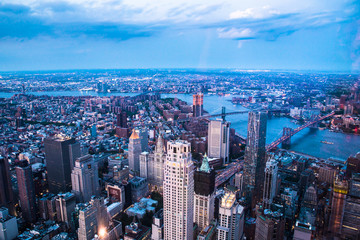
85,179
352,165
121,119
157,228
219,140
65,205
6,191
152,165
198,104
139,188
271,178
8,225
178,191
87,222
338,200
134,152
254,159
60,154
143,134
351,220
327,174
204,197
269,225
231,218
93,219
26,191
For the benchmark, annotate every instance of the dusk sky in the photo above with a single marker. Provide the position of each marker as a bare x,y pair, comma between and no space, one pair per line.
244,34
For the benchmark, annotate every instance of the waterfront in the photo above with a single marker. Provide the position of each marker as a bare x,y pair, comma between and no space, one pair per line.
308,141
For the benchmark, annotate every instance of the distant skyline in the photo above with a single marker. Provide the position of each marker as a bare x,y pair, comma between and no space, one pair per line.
109,34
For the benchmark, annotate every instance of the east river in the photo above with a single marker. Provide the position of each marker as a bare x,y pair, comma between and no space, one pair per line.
307,141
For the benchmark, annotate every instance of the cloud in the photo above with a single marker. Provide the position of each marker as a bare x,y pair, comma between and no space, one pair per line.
126,19
20,22
263,12
234,33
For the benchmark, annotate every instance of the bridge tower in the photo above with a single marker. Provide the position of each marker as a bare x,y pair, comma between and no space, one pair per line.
287,132
315,125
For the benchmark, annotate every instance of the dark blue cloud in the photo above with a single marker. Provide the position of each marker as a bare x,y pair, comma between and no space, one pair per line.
18,21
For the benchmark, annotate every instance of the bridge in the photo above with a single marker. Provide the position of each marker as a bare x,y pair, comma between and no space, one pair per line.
235,166
207,116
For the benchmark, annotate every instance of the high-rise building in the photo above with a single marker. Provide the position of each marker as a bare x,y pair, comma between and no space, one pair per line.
338,200
26,191
270,182
6,191
353,165
157,227
134,152
8,225
60,153
198,104
87,222
351,220
204,197
93,219
121,119
269,225
144,138
152,165
255,151
219,140
65,205
178,191
231,218
85,179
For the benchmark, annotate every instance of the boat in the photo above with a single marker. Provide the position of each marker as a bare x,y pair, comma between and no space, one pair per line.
326,142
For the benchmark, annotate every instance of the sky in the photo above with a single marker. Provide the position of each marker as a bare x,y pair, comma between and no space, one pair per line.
243,34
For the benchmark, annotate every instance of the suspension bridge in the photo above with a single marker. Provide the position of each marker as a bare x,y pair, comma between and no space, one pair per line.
287,134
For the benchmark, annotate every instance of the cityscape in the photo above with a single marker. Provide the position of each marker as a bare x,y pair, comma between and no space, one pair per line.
178,120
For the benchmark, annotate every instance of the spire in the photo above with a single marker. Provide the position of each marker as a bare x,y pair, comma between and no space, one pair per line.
205,167
134,135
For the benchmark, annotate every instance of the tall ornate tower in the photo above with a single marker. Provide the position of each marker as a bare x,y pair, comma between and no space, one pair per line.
178,191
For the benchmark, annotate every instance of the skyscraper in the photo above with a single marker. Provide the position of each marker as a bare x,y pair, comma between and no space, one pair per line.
134,152
178,191
121,119
198,104
93,218
338,200
8,225
152,165
65,205
219,140
60,153
85,179
270,182
231,218
204,197
6,192
269,225
144,138
26,191
255,151
351,220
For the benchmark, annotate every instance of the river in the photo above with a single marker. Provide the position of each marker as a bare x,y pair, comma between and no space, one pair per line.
307,141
